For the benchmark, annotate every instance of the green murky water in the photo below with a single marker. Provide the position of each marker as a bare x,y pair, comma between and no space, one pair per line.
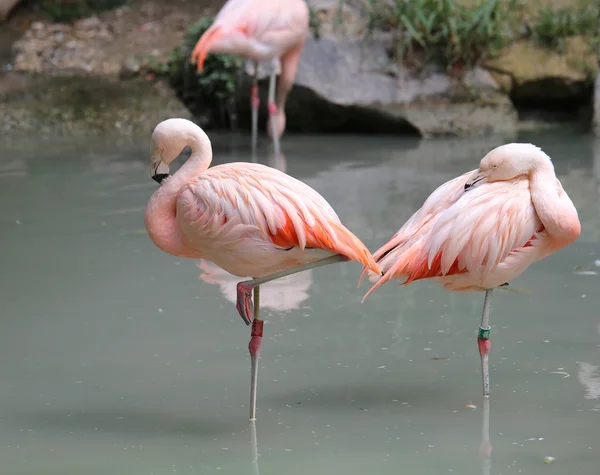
118,359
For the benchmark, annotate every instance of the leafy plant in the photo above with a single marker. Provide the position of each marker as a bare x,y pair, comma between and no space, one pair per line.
212,90
65,11
442,31
553,25
314,22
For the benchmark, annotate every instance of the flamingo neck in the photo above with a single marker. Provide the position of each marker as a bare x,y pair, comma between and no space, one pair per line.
161,217
554,207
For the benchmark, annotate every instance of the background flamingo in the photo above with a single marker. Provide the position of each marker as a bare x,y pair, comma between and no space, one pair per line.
249,219
483,229
261,30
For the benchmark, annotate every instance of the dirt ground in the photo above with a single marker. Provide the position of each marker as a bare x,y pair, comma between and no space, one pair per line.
101,44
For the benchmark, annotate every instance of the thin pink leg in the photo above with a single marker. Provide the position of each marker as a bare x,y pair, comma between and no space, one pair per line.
254,103
254,348
273,113
483,341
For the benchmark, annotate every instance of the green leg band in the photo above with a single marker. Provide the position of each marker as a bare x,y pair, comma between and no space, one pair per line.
484,333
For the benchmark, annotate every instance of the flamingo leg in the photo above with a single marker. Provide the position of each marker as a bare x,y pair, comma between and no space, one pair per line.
483,341
254,103
244,289
273,112
485,447
254,348
254,440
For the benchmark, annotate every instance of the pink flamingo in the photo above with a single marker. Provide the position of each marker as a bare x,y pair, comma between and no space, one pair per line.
261,30
483,229
247,218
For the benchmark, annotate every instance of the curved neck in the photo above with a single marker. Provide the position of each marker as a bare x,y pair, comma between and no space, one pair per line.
161,214
554,207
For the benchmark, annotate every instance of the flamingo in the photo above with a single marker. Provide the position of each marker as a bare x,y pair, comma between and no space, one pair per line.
247,218
482,229
262,31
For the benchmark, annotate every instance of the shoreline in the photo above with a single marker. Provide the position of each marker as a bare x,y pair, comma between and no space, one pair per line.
100,73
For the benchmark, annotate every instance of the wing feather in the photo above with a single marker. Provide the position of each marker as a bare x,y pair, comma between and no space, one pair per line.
483,227
458,231
275,210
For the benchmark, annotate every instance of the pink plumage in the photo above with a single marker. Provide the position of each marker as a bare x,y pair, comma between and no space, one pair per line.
249,219
485,227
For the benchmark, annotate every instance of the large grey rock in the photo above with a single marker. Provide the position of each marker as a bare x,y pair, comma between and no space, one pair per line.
350,85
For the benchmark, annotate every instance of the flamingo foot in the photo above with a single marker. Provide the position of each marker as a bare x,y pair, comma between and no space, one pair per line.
244,303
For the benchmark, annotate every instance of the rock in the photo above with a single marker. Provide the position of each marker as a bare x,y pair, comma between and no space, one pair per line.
337,18
100,44
596,125
525,66
58,105
346,85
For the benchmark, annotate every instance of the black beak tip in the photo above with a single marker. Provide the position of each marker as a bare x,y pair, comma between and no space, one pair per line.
159,177
468,185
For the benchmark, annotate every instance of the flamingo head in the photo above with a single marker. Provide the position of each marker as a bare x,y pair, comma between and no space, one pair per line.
169,139
509,161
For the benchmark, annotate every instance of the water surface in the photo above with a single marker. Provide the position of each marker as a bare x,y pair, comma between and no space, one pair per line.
119,359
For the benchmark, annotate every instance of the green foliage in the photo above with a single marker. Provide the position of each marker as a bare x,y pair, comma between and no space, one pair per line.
214,88
65,11
442,31
553,25
314,22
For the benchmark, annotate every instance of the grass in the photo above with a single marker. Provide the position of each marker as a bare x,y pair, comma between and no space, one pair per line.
442,31
460,34
553,25
66,11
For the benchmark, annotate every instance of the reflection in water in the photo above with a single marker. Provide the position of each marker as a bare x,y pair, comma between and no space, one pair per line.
280,295
254,442
278,162
589,376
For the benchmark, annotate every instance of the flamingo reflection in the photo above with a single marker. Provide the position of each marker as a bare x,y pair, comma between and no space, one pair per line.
280,295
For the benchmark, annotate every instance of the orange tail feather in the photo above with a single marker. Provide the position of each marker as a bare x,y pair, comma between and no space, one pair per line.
203,45
414,266
343,242
353,248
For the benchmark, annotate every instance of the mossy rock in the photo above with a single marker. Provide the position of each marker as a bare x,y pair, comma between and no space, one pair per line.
525,61
59,105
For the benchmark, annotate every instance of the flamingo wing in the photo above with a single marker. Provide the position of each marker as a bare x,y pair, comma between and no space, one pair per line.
419,224
482,228
459,231
238,201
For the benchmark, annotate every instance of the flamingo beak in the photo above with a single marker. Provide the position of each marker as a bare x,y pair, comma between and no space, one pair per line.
473,181
159,171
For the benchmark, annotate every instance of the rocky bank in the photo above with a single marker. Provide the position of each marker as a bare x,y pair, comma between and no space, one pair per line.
94,75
